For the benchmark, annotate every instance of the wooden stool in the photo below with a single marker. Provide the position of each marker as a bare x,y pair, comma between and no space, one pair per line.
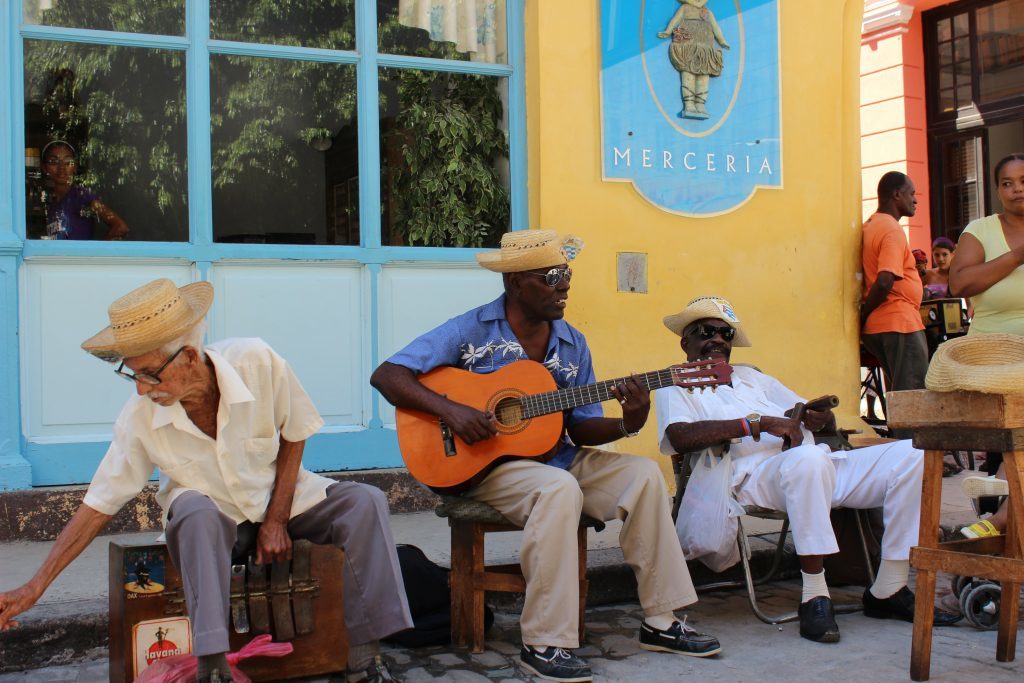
964,421
471,578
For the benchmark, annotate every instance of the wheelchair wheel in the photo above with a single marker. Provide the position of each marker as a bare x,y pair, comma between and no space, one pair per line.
980,605
959,583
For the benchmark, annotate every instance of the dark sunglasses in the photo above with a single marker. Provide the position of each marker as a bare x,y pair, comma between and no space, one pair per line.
553,276
147,377
709,331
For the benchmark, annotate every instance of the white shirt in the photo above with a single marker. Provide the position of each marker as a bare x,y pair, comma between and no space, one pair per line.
751,392
260,401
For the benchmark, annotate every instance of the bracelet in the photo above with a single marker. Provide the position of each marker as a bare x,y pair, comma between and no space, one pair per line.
746,426
625,432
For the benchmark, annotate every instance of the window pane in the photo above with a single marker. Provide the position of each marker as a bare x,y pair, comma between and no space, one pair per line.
943,30
468,30
961,24
961,190
166,17
444,157
328,24
121,112
284,149
1001,50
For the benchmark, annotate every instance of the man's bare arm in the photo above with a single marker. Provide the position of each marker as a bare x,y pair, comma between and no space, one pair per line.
686,437
273,543
83,527
876,295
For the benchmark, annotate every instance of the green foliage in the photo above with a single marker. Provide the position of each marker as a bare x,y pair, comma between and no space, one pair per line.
449,192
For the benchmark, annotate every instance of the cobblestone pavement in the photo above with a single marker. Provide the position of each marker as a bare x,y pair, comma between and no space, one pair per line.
871,650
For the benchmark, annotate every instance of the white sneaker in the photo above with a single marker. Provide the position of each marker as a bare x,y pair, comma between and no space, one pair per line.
978,487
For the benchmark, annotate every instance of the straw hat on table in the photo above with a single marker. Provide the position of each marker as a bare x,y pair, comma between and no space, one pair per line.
989,363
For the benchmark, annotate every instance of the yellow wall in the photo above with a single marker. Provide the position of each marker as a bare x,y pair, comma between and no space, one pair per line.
787,259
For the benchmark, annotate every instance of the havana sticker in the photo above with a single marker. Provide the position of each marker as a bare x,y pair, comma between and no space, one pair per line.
144,571
158,639
690,101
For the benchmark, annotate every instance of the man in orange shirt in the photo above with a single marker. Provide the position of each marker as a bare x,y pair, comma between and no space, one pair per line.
890,314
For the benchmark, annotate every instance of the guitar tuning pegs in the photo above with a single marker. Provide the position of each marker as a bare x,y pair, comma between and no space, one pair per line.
713,388
689,390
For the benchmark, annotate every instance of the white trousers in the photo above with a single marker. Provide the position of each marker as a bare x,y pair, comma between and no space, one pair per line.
547,502
807,483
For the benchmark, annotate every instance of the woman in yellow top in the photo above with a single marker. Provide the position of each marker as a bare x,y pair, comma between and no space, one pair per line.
988,269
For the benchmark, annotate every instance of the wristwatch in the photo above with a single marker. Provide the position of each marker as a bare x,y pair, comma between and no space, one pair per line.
755,425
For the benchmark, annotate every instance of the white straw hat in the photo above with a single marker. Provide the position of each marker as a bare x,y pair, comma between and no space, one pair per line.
990,363
148,317
529,249
714,307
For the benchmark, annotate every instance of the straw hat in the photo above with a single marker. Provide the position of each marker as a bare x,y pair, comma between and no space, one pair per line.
529,249
990,363
148,317
708,307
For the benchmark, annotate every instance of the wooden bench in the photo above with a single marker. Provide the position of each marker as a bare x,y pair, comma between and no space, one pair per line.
471,578
964,421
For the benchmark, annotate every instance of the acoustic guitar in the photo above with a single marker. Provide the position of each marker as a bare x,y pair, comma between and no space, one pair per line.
527,406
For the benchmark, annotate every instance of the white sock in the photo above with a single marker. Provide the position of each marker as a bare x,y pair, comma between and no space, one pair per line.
814,586
662,622
361,655
892,576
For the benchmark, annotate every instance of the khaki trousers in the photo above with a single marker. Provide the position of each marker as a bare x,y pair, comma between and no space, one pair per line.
547,502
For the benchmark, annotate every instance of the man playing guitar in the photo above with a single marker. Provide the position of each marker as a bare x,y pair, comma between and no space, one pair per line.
547,498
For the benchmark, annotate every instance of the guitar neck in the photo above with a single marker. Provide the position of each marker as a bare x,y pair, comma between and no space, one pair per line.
574,397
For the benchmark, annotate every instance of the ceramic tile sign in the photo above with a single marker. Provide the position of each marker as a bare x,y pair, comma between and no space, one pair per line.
144,571
690,101
158,639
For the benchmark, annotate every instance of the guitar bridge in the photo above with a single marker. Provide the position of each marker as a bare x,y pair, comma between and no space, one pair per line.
447,439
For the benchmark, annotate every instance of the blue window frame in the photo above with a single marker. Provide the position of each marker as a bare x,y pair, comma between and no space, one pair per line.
199,49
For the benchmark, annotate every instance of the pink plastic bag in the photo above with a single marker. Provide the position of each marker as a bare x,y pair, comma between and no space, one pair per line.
182,668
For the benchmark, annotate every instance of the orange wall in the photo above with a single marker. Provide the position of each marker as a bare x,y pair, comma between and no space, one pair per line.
893,117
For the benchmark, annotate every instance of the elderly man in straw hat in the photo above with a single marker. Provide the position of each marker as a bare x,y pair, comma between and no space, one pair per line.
807,480
226,425
547,498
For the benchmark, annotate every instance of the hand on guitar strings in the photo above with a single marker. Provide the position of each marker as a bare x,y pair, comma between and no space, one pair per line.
635,402
468,423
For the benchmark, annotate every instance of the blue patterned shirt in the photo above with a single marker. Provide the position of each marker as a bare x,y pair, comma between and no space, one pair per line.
481,340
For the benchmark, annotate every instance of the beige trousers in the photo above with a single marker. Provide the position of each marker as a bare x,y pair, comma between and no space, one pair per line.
547,502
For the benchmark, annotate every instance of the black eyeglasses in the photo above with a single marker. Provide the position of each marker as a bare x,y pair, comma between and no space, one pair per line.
709,331
147,377
56,161
553,276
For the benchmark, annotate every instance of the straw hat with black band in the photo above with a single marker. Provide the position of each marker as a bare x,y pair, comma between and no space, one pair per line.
530,249
146,318
704,307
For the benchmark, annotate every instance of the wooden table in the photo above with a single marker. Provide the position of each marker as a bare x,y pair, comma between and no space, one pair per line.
944,421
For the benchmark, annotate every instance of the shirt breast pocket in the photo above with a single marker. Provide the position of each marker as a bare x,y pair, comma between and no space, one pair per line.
261,451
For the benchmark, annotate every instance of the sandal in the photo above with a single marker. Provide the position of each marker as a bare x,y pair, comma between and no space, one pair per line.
980,529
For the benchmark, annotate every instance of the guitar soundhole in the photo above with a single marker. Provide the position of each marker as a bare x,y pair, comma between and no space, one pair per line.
509,414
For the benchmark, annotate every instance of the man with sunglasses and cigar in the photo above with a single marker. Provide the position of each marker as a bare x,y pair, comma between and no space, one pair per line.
755,417
226,425
547,498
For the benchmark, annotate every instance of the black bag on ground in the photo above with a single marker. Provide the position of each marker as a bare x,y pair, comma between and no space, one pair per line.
430,601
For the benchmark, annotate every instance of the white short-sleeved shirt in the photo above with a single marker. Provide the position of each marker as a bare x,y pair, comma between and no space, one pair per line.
260,401
751,392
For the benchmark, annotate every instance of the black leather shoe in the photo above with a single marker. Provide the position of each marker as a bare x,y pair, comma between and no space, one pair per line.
679,639
818,620
900,605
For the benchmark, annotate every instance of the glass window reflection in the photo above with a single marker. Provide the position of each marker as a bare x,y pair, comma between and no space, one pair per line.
1001,50
284,151
466,30
162,17
105,146
444,158
328,24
